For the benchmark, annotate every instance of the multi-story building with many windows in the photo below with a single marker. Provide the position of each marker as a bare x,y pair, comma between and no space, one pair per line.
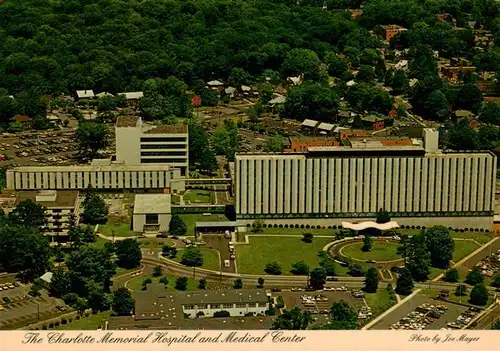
139,143
416,184
61,209
103,176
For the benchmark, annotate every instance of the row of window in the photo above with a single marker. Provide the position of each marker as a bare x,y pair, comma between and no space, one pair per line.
224,305
162,146
437,182
165,140
163,160
164,153
80,180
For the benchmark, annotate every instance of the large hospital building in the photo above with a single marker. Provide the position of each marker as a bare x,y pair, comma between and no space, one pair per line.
417,184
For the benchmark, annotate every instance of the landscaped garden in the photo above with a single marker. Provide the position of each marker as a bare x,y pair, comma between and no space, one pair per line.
210,258
380,251
197,196
116,229
91,322
252,258
136,283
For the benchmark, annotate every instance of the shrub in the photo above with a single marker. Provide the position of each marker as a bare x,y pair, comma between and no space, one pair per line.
280,303
222,314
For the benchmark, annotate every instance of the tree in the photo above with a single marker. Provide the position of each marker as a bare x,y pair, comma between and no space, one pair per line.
460,136
452,275
337,67
238,77
169,251
307,238
329,266
157,271
491,113
422,63
145,283
177,226
479,295
129,253
470,98
383,216
95,211
356,270
266,92
317,278
260,283
438,106
300,268
202,284
81,305
274,144
91,138
400,82
301,62
313,100
404,284
418,260
292,319
371,280
60,284
181,283
343,316
237,284
35,288
163,280
273,268
495,325
474,277
257,226
440,245
192,257
28,213
367,243
365,74
496,281
123,303
200,153
461,290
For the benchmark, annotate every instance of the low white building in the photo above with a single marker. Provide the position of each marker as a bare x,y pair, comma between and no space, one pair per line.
237,302
61,209
151,212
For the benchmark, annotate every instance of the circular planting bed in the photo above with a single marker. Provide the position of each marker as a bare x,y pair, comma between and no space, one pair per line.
381,251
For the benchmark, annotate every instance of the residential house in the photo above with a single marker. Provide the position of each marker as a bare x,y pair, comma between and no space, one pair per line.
391,30
215,85
373,122
356,13
25,120
301,144
85,94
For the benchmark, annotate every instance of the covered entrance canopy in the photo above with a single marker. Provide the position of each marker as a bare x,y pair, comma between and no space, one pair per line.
370,224
215,227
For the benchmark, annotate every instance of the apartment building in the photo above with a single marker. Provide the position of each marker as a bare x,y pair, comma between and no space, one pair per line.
107,175
140,143
61,209
416,184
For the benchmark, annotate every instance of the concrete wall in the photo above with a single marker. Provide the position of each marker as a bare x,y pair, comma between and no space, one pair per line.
80,177
139,220
455,183
234,311
128,145
453,222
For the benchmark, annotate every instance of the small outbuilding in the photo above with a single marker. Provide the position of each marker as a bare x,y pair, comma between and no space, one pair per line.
152,212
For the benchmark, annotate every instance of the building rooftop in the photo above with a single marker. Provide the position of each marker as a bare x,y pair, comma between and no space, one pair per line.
114,167
101,162
309,123
372,118
216,224
134,95
20,118
50,198
85,94
214,83
326,126
152,204
127,121
165,129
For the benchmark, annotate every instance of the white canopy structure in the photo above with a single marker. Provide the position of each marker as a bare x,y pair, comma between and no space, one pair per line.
370,224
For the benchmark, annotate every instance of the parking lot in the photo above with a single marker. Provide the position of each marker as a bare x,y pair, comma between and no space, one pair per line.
322,301
421,304
220,243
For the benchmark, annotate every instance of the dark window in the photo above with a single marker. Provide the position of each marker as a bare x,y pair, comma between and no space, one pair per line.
152,219
161,146
163,153
163,160
157,140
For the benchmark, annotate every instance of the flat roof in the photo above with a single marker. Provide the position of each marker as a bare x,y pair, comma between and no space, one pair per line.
165,129
82,94
371,146
133,95
89,168
63,198
127,121
370,224
216,224
326,126
309,123
152,204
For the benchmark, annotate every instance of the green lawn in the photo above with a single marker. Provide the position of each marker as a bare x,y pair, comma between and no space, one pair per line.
481,238
191,219
252,258
86,323
381,251
99,243
210,258
463,249
379,301
198,196
119,229
120,270
454,298
294,231
136,283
